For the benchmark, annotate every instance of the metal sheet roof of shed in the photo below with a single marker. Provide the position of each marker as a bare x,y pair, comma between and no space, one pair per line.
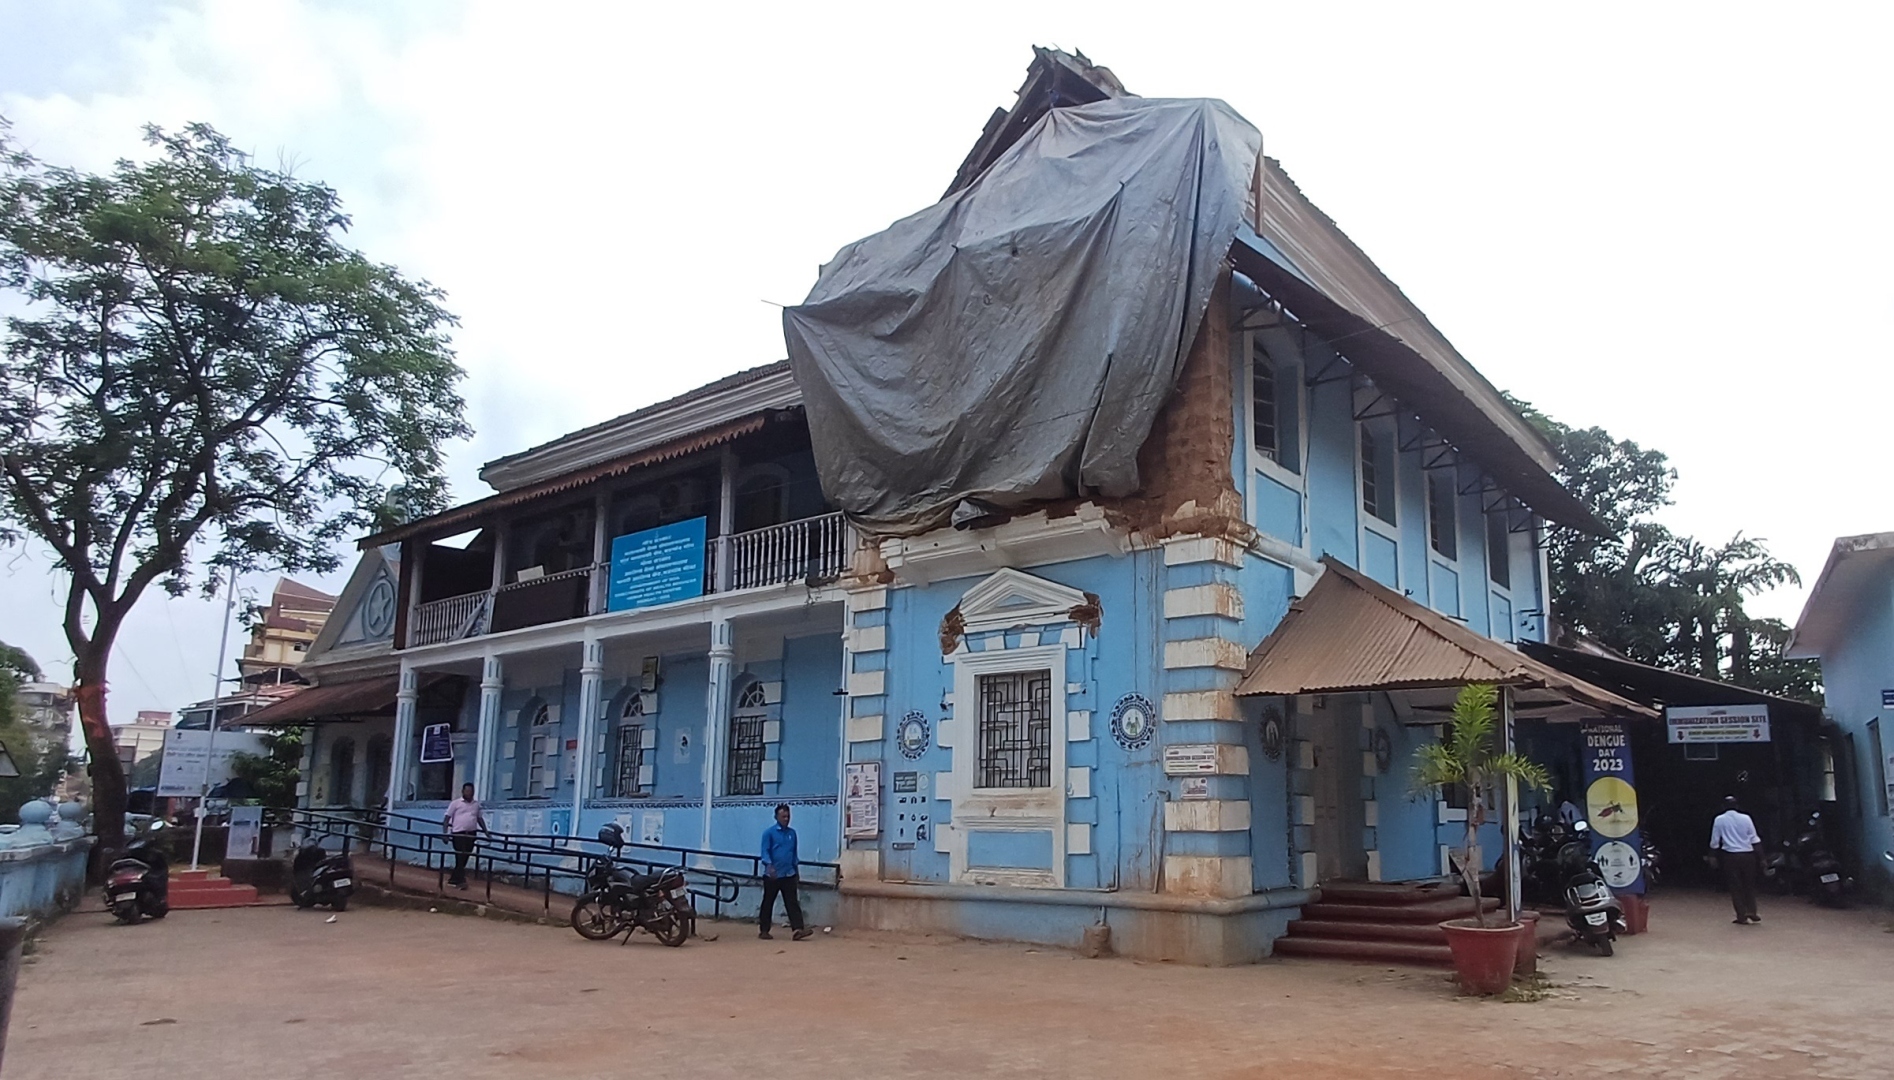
1352,634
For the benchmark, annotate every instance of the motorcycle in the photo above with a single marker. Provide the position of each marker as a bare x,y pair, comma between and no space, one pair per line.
1817,866
319,876
1652,862
138,884
1591,910
617,901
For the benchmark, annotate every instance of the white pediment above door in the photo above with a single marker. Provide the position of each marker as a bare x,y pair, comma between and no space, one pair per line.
1011,598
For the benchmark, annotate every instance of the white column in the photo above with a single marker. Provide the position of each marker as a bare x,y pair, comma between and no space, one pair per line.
591,682
601,558
492,683
726,519
717,712
399,751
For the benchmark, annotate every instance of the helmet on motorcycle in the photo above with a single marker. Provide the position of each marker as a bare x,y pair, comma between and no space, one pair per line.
612,836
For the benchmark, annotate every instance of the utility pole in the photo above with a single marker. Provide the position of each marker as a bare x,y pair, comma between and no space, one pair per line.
217,691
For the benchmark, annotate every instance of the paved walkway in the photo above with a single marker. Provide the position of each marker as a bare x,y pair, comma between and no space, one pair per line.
280,994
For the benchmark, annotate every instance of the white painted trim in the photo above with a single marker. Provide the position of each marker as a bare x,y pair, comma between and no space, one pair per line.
1207,815
772,731
1201,705
1208,875
1011,599
864,728
860,600
1032,540
771,769
1374,865
1078,838
1078,781
861,864
1078,725
1205,653
772,692
1187,550
866,639
1219,599
867,683
1017,809
1296,482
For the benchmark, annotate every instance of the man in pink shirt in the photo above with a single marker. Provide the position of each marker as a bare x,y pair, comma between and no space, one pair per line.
463,822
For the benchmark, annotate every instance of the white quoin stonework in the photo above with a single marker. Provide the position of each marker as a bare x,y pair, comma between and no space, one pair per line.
1205,653
1219,598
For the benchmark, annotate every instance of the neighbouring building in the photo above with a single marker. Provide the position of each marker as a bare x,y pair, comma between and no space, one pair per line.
141,738
1243,522
1848,624
282,632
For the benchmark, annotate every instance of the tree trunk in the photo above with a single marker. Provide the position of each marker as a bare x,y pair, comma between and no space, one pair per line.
108,773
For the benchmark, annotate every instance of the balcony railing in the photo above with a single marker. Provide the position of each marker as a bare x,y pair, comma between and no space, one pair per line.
812,549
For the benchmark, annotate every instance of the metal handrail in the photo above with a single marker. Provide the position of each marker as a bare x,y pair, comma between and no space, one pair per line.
524,857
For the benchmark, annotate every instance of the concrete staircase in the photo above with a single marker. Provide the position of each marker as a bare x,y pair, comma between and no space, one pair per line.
192,889
1381,922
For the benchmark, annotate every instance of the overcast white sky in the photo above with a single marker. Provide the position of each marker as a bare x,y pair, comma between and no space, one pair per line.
1670,220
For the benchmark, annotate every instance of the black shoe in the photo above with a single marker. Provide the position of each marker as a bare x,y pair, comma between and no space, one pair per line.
1740,921
764,934
1755,918
801,935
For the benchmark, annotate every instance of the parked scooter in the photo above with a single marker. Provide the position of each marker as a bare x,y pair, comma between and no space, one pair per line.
138,883
1816,865
1652,861
617,901
319,876
1591,910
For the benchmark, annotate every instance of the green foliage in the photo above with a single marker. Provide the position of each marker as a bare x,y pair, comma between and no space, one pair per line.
1470,758
198,373
1652,595
41,767
273,775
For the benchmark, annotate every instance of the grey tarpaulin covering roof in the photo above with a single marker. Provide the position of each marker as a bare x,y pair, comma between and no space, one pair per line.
1015,341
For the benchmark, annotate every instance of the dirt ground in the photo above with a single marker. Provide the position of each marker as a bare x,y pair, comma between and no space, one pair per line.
280,994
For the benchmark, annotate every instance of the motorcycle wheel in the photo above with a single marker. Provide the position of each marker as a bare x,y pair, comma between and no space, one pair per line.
301,899
593,920
158,910
126,912
340,902
668,927
1604,946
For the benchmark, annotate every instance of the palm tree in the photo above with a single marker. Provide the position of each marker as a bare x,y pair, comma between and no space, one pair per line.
1469,759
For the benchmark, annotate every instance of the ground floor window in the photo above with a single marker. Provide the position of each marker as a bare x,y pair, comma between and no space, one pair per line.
629,758
1016,730
743,765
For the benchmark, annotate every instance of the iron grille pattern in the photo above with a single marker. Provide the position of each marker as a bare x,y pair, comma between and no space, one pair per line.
1016,730
630,760
743,766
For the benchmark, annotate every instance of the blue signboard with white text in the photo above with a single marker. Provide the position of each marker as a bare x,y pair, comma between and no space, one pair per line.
658,566
1611,804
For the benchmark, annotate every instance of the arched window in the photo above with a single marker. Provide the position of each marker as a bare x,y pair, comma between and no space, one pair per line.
743,766
542,744
342,772
628,759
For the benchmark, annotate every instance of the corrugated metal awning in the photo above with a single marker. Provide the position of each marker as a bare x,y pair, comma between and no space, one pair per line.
1351,634
364,697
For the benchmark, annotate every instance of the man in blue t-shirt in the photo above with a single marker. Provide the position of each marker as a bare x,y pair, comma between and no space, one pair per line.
780,870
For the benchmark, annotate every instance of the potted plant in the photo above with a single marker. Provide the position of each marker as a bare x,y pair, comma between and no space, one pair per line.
1483,954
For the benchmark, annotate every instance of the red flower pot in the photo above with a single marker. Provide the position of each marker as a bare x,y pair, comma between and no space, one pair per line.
1528,962
1483,956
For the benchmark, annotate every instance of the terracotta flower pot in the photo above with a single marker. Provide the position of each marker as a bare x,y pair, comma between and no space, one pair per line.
1528,962
1483,957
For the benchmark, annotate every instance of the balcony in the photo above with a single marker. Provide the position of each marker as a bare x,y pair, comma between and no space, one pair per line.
814,548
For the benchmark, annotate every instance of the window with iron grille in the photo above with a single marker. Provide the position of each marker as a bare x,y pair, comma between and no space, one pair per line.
1016,730
1377,475
630,756
1275,407
539,754
1263,402
743,765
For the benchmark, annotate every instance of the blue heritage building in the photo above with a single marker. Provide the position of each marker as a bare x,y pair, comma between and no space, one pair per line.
1019,717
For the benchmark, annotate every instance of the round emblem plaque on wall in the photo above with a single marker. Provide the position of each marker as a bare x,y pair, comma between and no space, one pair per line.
911,735
1134,721
1272,733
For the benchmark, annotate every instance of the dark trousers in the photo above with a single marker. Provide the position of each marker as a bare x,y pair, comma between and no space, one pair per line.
1739,873
463,850
786,886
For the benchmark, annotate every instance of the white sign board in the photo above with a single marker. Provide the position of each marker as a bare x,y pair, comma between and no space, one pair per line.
188,759
861,803
246,833
1190,759
1717,723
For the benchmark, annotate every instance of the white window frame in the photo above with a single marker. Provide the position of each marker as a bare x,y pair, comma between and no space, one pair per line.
1005,809
1291,372
1369,523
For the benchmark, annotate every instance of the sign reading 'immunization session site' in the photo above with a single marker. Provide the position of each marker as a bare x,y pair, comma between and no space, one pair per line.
658,566
1717,723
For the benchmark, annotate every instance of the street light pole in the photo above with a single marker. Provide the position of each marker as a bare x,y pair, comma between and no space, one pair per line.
217,691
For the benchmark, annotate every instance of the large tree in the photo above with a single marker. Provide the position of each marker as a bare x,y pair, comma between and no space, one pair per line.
1650,594
200,375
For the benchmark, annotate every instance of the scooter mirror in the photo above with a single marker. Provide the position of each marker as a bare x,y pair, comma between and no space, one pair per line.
1579,826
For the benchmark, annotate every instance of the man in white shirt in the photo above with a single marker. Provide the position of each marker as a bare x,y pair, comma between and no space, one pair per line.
1733,837
463,822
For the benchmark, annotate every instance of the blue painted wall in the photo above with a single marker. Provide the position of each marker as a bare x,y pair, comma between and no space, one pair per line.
1854,672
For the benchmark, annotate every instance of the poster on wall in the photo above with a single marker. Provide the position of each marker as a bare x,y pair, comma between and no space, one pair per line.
436,744
658,566
1717,723
246,833
1611,804
861,803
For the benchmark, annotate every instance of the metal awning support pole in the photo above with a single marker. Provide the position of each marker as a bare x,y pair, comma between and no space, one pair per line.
217,691
1509,807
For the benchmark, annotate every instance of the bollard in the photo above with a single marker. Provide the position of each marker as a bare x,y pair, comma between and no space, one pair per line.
12,935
